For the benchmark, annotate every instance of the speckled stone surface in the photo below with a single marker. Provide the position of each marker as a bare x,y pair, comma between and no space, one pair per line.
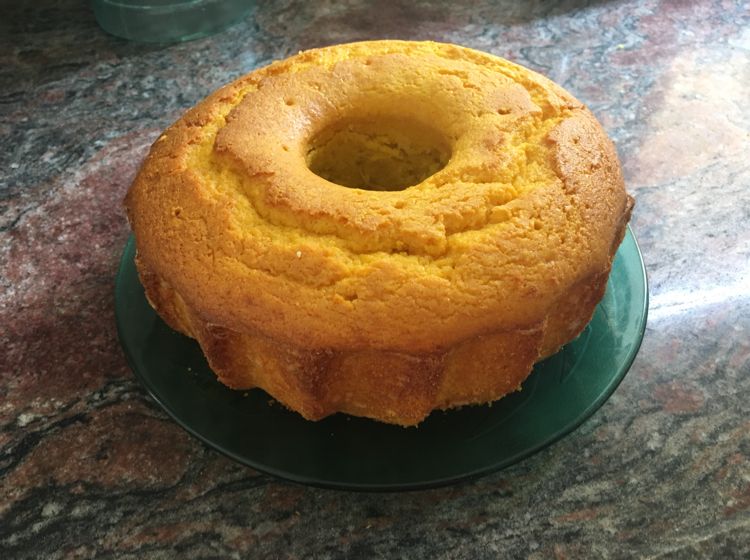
91,467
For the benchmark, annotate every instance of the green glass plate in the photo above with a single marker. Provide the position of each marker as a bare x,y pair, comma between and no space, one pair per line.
360,454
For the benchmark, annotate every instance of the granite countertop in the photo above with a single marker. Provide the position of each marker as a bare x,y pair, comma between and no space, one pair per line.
90,466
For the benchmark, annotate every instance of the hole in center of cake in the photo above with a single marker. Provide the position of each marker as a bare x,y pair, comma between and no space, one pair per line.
385,154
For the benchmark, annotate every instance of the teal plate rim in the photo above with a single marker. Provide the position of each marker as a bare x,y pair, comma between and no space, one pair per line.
347,453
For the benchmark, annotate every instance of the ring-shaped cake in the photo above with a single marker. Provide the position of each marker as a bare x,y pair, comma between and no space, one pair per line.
381,228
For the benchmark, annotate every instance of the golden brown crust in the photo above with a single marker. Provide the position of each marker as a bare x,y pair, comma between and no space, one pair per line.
333,298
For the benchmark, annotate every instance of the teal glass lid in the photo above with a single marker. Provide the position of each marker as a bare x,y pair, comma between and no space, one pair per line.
359,454
166,21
